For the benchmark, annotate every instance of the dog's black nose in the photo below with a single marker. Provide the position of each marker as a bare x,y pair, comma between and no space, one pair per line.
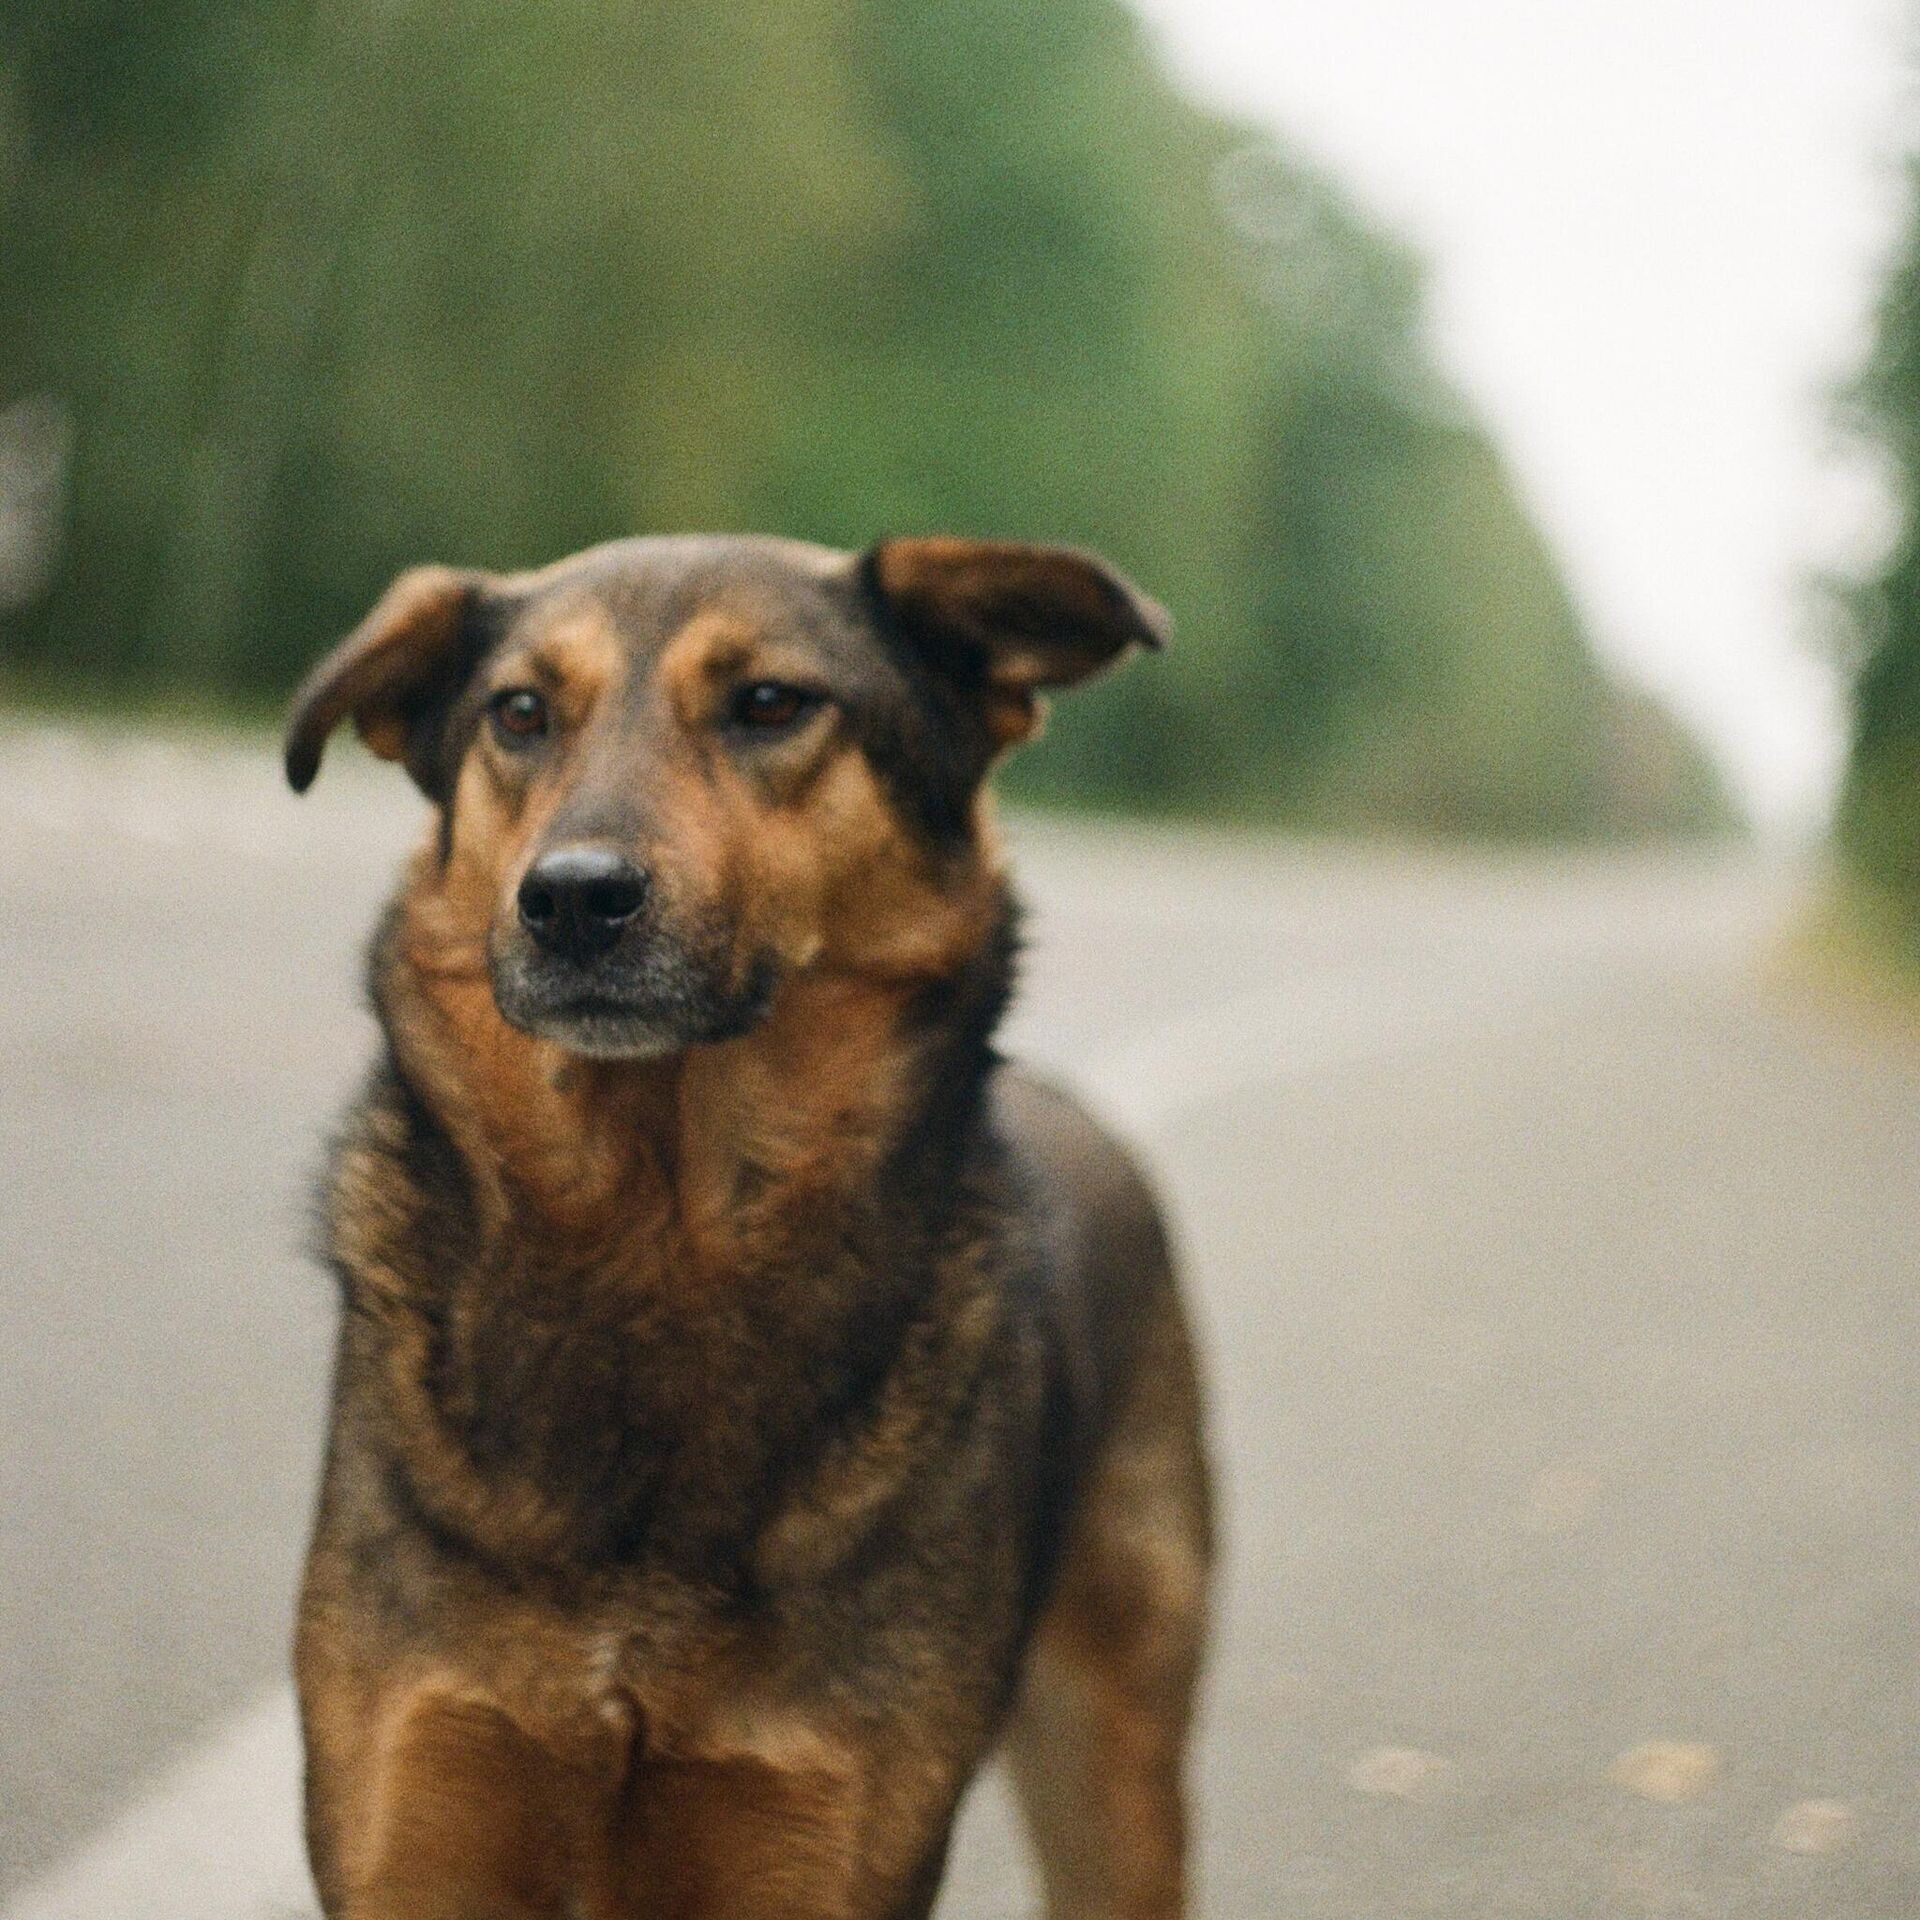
576,901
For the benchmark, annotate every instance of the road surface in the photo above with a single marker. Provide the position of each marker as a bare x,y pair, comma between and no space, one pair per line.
1557,1268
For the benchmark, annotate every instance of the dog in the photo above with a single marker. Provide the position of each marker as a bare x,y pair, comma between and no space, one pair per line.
754,1400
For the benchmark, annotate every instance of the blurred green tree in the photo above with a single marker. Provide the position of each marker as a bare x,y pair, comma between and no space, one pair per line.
1879,814
306,291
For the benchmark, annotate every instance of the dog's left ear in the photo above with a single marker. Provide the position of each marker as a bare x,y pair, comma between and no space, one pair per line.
389,675
1010,619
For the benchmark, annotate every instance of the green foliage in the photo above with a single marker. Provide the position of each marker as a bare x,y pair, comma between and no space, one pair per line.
330,286
1879,819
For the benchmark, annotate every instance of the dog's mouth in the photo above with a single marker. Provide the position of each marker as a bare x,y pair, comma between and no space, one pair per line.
599,1028
644,1008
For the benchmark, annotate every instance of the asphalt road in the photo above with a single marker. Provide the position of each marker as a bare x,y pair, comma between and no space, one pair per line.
1559,1281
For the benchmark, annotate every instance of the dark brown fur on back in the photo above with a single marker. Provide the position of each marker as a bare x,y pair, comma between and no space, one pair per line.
735,1434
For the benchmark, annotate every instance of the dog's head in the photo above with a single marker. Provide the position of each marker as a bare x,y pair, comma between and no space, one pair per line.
673,772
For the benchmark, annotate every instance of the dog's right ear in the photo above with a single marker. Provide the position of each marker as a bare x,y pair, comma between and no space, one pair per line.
390,675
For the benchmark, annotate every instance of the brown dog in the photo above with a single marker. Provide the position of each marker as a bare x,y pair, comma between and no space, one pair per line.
753,1399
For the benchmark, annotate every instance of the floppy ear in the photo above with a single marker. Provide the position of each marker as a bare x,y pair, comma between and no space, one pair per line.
1012,619
388,674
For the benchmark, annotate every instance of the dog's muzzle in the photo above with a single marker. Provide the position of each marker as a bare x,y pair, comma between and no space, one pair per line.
593,960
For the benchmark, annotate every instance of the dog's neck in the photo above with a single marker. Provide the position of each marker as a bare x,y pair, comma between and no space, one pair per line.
851,1076
689,1260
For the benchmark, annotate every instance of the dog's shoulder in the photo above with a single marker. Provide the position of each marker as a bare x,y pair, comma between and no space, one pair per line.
1079,1173
1104,1245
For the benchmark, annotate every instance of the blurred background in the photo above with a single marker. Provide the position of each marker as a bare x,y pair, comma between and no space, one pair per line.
296,298
1498,914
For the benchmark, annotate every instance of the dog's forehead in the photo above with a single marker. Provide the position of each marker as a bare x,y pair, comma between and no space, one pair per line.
645,591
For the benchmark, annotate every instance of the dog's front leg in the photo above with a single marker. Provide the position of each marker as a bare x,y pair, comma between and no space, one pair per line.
745,1839
448,1812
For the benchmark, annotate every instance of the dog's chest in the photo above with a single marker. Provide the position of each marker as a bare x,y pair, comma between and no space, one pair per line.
642,1413
648,1671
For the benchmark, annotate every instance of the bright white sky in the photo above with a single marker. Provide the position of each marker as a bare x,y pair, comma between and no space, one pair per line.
1655,228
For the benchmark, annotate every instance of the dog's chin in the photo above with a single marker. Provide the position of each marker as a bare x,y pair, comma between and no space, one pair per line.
599,1031
624,1018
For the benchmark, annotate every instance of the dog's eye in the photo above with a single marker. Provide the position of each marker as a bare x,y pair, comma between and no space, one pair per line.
519,715
771,706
